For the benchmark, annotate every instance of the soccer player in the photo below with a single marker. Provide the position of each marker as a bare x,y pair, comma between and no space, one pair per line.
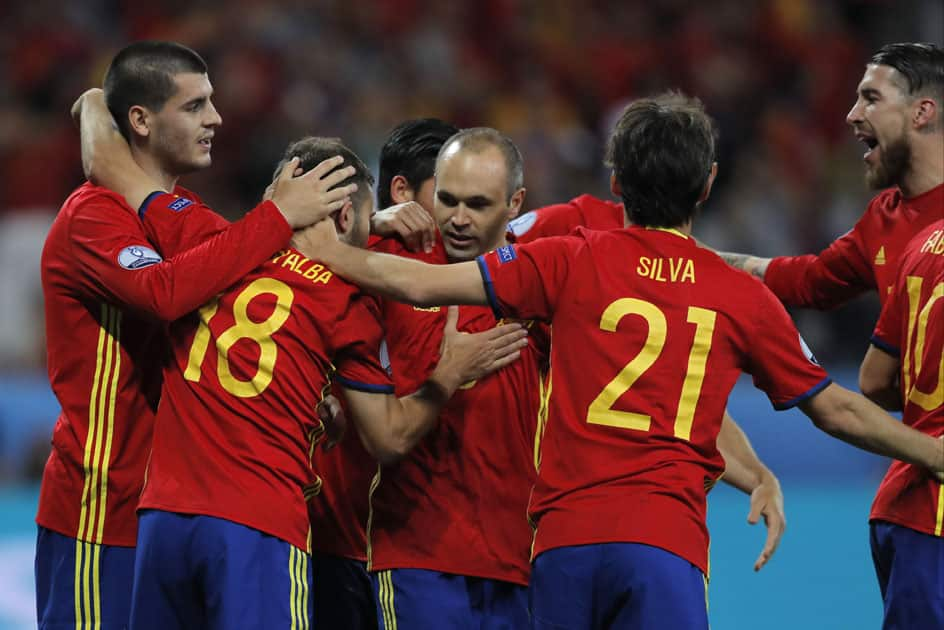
899,116
743,469
105,288
224,530
341,588
651,333
904,369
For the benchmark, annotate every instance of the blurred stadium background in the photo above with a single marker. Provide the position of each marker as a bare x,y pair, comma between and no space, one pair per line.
778,75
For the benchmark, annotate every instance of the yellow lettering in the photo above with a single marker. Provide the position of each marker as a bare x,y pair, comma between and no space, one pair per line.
323,278
689,274
312,272
939,248
658,275
931,242
280,254
674,268
643,268
290,261
301,263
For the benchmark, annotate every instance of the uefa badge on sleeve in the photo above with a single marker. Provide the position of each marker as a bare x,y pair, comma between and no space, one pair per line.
506,253
137,257
806,350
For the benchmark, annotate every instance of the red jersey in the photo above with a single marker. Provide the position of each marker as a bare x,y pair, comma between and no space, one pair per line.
651,332
865,258
912,327
562,219
339,508
105,288
237,425
457,502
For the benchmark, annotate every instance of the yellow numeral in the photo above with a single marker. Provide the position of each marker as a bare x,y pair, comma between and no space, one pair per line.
601,409
243,328
918,317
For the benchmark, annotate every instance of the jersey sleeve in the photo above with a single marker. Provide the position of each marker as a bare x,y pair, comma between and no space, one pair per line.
887,333
827,280
557,220
359,363
780,362
116,259
526,281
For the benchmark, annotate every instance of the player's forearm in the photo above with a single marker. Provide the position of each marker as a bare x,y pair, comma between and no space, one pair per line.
753,265
743,469
878,378
406,280
860,422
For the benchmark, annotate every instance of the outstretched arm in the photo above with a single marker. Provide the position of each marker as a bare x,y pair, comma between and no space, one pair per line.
393,277
854,419
745,471
753,265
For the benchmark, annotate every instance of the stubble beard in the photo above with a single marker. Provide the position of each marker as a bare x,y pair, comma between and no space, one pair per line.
894,163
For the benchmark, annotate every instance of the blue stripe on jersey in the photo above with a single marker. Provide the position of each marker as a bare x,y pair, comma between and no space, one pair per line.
363,387
147,201
489,287
887,347
808,394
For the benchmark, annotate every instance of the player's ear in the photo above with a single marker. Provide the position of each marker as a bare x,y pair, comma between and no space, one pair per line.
926,113
711,180
615,186
344,220
140,121
516,202
400,190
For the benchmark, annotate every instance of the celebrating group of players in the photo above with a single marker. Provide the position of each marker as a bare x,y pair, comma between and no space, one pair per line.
539,456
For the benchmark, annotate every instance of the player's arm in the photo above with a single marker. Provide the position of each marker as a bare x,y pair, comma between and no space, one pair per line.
822,281
878,378
390,427
854,419
745,471
394,277
107,162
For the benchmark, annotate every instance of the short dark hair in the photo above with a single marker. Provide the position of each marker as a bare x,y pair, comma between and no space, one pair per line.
922,66
142,73
312,150
410,151
661,152
478,138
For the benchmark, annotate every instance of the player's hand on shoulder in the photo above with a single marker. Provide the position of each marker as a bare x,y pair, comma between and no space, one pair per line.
307,198
470,356
408,221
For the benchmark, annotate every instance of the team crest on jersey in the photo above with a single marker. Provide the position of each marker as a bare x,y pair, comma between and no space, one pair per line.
179,204
137,257
522,224
806,351
506,253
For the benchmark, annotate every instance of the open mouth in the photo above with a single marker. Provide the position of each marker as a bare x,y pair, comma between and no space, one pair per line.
870,142
206,143
459,240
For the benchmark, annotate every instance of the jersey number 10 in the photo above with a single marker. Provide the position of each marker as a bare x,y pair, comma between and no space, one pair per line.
913,360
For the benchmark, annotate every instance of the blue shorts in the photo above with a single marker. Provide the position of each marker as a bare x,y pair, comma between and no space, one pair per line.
342,594
417,599
910,569
616,585
80,584
195,571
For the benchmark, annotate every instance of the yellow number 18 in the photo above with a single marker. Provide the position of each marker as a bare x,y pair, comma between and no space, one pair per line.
601,409
243,328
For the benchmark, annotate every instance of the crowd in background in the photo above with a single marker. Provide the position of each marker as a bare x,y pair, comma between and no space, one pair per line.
778,75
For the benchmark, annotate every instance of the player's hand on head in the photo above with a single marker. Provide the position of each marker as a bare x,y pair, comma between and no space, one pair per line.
767,502
307,198
410,222
87,95
334,420
470,356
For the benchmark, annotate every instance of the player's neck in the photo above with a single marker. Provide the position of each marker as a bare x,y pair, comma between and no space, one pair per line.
927,167
154,169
